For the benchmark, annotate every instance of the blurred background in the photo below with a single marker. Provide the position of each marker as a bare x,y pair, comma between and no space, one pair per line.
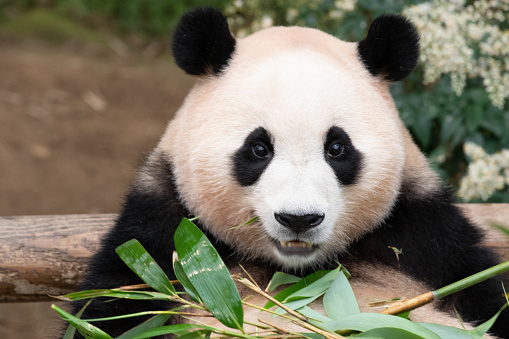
88,86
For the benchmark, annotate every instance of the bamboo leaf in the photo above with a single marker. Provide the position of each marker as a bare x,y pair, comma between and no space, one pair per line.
368,321
339,300
208,274
87,330
154,322
306,281
138,260
298,303
115,293
184,281
317,287
280,278
313,315
389,333
447,332
485,327
169,329
71,330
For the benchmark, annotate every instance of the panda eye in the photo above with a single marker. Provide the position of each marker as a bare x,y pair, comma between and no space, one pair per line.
260,151
335,150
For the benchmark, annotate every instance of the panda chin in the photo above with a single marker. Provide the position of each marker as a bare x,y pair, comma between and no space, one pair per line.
295,247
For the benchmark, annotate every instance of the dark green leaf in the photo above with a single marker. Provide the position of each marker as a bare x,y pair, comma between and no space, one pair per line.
172,329
298,303
84,328
316,288
138,260
208,274
304,282
281,278
71,330
116,293
154,322
182,277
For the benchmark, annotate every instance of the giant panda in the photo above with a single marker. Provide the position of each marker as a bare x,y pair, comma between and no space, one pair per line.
299,129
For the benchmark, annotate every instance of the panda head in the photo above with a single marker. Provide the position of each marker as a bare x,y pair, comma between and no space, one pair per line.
293,126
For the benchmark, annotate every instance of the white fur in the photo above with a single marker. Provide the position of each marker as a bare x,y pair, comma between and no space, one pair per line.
296,83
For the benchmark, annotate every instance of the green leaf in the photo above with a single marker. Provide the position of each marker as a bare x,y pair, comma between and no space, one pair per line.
195,334
318,287
71,330
447,332
298,303
339,300
485,327
313,315
389,333
169,329
138,260
304,282
87,330
280,278
368,321
116,293
182,277
154,322
208,274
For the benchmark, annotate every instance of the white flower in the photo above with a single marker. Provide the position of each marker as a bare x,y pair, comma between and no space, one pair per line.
486,174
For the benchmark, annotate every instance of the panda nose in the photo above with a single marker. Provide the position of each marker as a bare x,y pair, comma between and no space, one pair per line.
299,223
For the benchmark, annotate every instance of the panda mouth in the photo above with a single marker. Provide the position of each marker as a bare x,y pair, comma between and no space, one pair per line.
295,247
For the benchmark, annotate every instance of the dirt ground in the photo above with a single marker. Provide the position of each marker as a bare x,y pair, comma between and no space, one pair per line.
74,125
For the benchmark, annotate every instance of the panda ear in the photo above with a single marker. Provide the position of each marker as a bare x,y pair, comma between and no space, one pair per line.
391,48
202,42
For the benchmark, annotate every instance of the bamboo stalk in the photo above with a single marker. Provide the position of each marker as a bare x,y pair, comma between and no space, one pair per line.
471,280
410,304
457,286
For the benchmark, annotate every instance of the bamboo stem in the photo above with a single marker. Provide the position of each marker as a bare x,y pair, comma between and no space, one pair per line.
471,280
410,304
457,286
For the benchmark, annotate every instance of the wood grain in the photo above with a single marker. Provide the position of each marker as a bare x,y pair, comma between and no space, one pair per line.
47,255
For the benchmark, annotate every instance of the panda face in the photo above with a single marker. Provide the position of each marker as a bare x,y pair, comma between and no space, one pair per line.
295,132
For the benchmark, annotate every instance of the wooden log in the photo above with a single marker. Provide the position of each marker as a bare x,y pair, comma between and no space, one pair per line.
47,255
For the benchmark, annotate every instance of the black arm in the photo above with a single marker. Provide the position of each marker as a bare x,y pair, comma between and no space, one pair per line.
151,214
440,246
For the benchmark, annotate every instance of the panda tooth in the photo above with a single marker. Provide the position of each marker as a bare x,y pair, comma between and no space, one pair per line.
295,244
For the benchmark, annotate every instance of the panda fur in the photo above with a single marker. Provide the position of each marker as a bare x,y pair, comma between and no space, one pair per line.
299,129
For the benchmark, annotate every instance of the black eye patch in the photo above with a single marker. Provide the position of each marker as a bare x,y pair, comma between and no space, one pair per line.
342,156
253,157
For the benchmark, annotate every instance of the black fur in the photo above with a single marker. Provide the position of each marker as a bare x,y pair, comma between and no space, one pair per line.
348,165
391,48
440,246
247,167
202,42
152,218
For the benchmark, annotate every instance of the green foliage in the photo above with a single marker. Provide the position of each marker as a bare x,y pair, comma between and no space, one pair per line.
439,120
208,280
154,18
